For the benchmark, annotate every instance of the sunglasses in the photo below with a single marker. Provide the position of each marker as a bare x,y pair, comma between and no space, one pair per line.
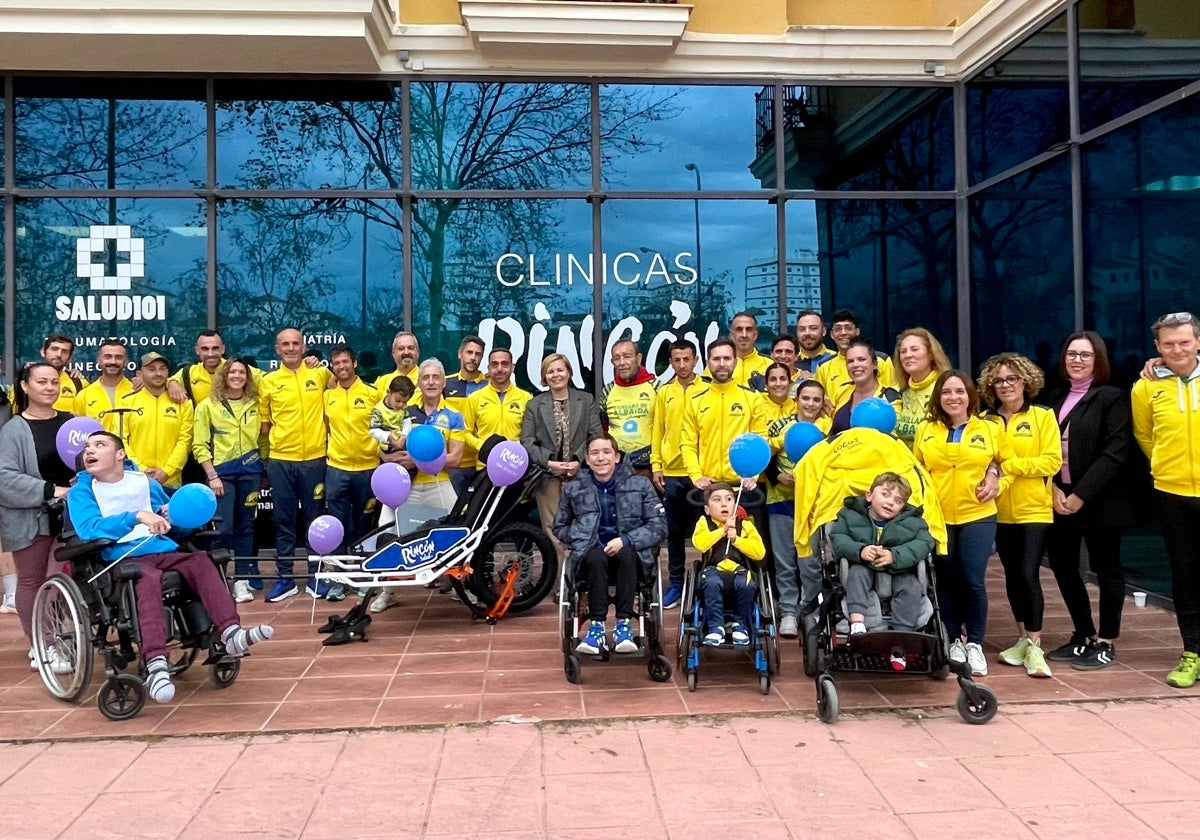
1174,319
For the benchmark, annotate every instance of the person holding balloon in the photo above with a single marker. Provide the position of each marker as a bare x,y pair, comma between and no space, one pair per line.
111,502
36,468
434,444
862,367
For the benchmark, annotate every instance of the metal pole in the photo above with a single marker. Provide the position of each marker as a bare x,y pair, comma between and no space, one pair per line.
695,170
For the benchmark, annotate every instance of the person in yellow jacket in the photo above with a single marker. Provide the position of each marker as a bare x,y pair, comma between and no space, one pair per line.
833,374
750,365
1025,510
498,408
727,542
862,367
194,382
966,457
228,444
158,432
292,409
920,361
717,413
460,385
405,352
1166,425
102,399
57,351
627,406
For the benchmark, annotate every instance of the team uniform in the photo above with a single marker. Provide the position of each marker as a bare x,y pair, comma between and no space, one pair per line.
808,365
436,490
747,371
670,404
835,378
486,414
158,433
95,401
196,381
455,392
715,415
228,434
382,382
914,407
352,455
629,411
841,415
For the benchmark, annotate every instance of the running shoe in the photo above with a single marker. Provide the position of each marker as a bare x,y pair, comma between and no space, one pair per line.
1186,672
958,651
976,659
1076,646
1098,655
595,641
316,588
281,590
788,627
671,596
715,637
242,591
623,637
1035,661
1015,655
385,600
740,636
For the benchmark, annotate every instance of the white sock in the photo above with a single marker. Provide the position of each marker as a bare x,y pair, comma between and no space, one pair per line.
857,627
10,588
238,640
158,681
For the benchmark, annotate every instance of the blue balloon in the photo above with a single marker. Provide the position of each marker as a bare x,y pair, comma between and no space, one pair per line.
874,413
193,506
799,438
425,443
749,454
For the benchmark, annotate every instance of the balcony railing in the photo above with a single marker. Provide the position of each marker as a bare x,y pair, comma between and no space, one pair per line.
804,106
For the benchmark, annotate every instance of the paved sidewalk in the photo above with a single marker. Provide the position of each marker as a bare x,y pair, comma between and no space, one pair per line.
1086,770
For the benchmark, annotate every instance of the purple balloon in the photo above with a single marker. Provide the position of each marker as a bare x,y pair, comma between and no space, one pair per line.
507,462
72,435
432,467
391,484
325,534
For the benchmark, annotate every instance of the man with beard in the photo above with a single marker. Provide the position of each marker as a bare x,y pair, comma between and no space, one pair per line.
810,335
627,406
833,374
459,386
405,352
158,431
498,408
100,398
57,350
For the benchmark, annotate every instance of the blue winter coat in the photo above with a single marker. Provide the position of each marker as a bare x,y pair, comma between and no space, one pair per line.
641,521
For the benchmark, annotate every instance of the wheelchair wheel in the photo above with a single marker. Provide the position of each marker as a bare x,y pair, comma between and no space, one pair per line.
225,672
827,699
691,680
980,712
764,683
685,611
812,651
520,546
62,637
659,668
121,697
571,668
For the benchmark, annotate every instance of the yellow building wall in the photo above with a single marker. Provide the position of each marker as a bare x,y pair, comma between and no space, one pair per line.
429,11
953,12
743,17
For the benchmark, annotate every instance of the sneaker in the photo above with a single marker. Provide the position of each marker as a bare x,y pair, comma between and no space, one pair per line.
59,664
715,637
1185,673
1035,661
958,651
9,604
671,596
976,659
242,591
898,660
1075,647
857,628
595,641
385,600
337,592
1015,655
282,589
1098,655
623,637
739,634
788,627
256,584
316,588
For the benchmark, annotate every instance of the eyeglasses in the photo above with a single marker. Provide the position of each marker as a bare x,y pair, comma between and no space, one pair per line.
1081,355
1007,380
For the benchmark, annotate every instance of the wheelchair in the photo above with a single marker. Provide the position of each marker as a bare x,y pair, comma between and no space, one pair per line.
90,607
648,621
828,647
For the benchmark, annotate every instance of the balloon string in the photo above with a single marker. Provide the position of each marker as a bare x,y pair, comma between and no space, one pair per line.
136,545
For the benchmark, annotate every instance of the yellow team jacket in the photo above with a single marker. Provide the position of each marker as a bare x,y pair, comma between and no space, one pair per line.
455,395
485,415
385,379
748,541
957,468
201,380
715,415
835,378
1166,425
222,435
293,403
1036,443
158,433
348,412
845,465
67,390
93,401
666,426
755,364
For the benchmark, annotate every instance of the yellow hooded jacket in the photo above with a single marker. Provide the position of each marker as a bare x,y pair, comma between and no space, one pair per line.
1036,443
958,468
485,415
715,415
158,433
1166,425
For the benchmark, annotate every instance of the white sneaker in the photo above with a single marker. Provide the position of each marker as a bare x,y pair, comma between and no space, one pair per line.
385,600
59,664
242,591
9,604
976,659
958,651
788,628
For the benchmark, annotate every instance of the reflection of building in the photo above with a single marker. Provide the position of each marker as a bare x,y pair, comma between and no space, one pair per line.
803,275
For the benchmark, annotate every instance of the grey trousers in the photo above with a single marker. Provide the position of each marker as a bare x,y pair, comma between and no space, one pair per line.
906,595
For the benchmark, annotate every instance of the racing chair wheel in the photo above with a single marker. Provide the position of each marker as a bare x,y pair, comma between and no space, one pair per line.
519,546
62,637
121,697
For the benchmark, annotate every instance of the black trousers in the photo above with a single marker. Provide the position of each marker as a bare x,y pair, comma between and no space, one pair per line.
1020,548
1104,557
1180,517
600,570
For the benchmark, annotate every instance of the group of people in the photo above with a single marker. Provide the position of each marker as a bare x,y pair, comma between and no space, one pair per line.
1010,467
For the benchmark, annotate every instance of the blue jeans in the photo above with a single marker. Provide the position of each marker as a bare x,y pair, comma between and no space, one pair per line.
294,494
962,595
236,508
347,495
461,478
783,547
713,584
681,521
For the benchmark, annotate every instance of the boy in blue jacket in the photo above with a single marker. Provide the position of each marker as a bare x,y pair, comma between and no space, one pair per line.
110,502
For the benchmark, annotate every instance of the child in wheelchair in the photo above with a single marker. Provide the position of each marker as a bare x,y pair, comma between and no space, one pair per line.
882,533
727,543
112,503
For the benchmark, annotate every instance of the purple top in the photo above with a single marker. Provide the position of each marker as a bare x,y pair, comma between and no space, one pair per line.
1078,389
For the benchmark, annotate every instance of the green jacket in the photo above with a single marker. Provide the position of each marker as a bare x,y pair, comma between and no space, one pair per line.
907,536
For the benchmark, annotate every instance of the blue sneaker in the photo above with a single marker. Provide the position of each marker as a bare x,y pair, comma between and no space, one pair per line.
715,637
281,590
595,641
316,588
672,595
739,635
256,584
337,592
623,637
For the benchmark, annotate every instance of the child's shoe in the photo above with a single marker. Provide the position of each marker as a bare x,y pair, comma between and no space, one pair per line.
898,660
623,637
715,637
740,637
595,641
857,627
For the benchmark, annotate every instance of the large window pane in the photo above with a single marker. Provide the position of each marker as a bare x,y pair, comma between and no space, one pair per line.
805,289
316,135
81,134
93,268
673,137
500,136
331,270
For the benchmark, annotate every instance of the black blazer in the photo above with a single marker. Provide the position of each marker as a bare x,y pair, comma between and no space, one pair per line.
537,427
1099,454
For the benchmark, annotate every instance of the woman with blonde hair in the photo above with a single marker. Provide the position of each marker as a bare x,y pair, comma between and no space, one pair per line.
920,360
1025,508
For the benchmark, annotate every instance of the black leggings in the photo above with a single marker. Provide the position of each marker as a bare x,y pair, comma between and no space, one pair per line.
1180,519
1104,557
1020,548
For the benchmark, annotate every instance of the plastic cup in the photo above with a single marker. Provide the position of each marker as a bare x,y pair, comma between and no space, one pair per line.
1139,599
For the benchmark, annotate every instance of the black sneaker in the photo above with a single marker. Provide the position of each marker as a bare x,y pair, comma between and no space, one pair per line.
1073,649
1098,655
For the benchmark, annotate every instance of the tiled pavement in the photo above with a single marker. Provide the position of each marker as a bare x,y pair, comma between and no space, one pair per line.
428,663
